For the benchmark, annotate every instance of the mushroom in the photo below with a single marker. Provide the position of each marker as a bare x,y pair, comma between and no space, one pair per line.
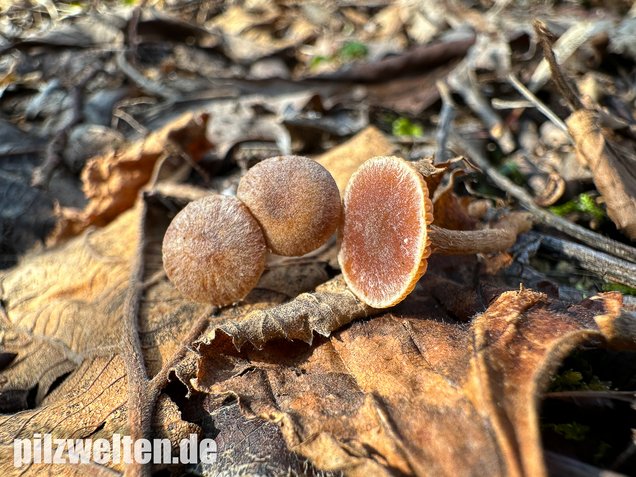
295,200
214,250
387,234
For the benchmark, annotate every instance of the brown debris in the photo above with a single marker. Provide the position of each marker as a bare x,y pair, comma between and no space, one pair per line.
112,182
349,401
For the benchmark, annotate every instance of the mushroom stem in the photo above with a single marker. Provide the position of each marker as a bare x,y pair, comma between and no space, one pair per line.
464,242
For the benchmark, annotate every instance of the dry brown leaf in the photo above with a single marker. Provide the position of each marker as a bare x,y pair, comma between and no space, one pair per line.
343,160
448,209
90,404
64,305
253,34
613,168
62,312
330,307
411,391
112,182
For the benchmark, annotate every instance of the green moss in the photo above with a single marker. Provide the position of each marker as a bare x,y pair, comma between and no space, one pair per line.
577,375
404,127
350,51
353,50
318,60
585,204
619,287
601,452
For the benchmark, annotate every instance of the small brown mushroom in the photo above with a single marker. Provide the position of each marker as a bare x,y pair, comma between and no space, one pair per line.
295,200
214,250
387,234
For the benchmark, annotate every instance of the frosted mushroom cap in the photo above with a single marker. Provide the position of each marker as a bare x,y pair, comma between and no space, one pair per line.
214,250
384,235
295,200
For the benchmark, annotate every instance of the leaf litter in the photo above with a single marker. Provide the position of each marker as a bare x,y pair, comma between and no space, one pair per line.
95,340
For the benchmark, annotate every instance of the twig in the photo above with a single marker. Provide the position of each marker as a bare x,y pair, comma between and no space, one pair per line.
561,83
607,267
150,87
133,25
545,217
566,46
142,391
446,116
547,112
55,149
462,82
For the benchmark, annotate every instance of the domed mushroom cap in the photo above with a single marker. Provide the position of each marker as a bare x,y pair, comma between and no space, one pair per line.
214,250
295,200
384,235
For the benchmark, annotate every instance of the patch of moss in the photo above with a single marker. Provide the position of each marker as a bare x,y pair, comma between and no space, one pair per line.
510,169
584,204
404,127
577,375
619,287
353,50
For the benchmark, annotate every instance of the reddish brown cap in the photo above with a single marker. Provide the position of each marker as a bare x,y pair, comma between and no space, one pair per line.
295,200
214,250
385,243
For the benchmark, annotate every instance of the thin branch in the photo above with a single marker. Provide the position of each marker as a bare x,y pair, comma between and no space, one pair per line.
540,105
149,86
446,116
557,76
605,266
543,216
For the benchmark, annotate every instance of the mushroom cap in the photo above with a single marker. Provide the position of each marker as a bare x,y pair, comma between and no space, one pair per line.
214,250
385,244
295,200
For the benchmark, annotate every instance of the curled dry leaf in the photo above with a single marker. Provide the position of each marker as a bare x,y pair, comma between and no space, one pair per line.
348,402
112,182
330,307
612,166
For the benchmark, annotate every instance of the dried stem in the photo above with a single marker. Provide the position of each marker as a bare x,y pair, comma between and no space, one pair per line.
464,242
540,105
557,76
446,116
605,266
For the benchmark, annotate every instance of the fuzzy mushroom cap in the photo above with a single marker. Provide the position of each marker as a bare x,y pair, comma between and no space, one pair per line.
385,242
214,250
295,200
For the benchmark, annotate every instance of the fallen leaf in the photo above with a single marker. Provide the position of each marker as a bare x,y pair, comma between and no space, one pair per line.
112,182
90,404
348,402
612,168
343,160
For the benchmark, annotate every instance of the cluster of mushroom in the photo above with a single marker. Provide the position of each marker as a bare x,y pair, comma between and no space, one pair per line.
215,249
